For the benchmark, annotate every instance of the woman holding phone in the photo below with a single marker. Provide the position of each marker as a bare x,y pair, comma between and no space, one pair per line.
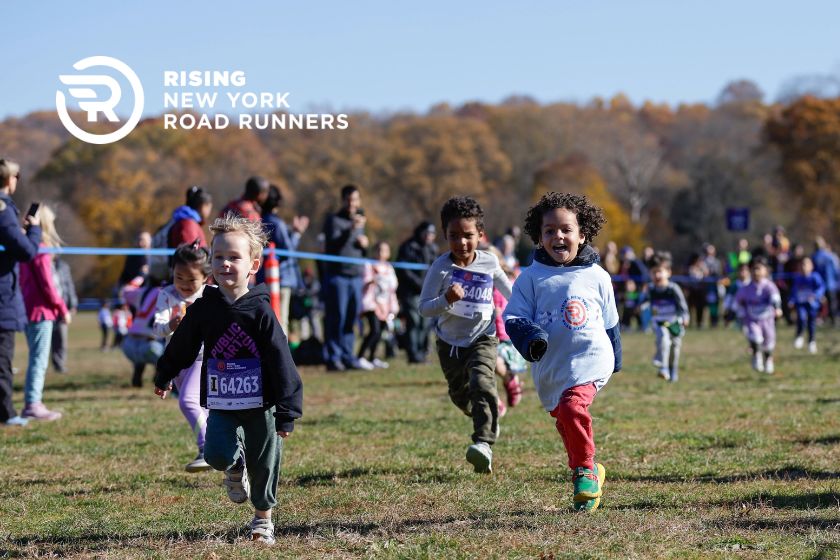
44,306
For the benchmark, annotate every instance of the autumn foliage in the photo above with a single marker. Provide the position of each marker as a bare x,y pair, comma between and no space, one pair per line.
664,175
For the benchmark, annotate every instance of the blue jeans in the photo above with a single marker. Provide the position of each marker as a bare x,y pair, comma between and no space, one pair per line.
38,338
806,315
140,350
341,311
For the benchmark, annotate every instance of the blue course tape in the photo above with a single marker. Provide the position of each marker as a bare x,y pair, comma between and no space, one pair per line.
108,251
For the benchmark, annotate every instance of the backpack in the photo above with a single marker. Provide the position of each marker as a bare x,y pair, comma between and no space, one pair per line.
159,264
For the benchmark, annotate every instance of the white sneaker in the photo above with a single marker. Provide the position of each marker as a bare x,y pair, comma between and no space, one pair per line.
365,364
237,485
664,373
812,347
799,343
262,531
758,362
768,366
380,364
198,464
480,456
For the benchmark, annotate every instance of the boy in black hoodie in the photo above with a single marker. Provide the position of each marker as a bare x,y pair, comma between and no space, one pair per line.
248,379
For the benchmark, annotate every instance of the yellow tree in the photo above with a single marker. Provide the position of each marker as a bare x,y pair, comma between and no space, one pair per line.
576,175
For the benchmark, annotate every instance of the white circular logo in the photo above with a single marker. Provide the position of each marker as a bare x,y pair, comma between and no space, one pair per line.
81,90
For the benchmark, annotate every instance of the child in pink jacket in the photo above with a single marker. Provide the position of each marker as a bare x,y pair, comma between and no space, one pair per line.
44,306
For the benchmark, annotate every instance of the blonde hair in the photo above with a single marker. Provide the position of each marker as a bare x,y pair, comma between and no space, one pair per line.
8,168
49,236
253,231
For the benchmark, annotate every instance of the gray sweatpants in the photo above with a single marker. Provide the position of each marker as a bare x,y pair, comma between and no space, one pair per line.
667,350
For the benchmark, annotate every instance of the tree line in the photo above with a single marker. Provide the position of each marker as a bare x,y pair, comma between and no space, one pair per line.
664,175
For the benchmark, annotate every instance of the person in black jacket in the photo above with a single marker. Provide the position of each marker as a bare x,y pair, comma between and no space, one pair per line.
65,285
419,249
19,246
248,379
344,235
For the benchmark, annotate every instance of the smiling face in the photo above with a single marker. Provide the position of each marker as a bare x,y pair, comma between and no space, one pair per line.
661,275
233,264
188,278
759,271
463,236
560,235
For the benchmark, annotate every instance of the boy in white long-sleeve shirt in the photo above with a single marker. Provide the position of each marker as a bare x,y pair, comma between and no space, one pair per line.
562,316
458,293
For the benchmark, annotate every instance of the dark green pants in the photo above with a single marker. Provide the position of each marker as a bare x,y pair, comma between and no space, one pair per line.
254,430
470,373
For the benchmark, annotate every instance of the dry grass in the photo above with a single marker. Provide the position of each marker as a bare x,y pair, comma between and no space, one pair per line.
726,463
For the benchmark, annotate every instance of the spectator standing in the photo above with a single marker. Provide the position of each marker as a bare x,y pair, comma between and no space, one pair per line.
827,265
44,307
249,205
420,249
21,245
344,236
64,283
285,239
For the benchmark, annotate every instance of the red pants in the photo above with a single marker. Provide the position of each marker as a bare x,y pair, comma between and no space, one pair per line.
575,425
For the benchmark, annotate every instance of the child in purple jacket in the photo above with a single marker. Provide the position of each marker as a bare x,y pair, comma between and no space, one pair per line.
758,304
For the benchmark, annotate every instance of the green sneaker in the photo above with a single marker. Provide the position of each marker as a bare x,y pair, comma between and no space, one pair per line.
593,503
587,485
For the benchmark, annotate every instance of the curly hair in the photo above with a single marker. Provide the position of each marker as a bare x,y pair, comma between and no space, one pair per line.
590,218
253,231
459,207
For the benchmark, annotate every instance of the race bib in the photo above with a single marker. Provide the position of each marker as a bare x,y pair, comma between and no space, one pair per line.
478,294
759,310
804,296
664,310
234,384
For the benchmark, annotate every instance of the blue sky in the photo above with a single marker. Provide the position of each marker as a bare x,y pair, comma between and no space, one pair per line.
387,56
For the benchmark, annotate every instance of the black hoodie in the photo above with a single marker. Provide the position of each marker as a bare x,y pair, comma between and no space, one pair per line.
245,329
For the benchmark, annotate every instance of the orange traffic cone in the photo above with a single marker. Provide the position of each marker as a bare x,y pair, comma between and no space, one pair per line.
272,279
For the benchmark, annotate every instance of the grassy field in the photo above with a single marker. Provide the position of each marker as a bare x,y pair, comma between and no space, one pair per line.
726,463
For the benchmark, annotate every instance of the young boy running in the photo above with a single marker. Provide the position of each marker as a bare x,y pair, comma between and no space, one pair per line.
458,292
670,314
248,379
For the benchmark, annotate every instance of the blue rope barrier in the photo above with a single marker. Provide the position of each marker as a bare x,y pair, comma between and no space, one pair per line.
119,251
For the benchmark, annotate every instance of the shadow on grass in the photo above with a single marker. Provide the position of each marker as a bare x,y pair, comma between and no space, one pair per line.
805,501
826,440
97,542
784,473
801,525
415,475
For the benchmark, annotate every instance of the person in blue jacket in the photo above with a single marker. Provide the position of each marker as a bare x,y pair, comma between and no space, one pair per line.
806,296
19,245
827,265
